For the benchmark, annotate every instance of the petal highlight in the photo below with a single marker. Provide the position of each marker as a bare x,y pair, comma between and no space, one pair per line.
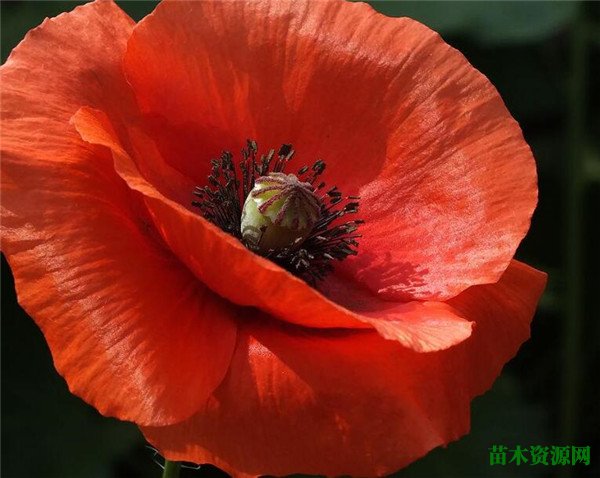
131,330
448,184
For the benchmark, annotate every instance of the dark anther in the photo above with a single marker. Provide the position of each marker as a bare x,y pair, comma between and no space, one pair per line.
285,149
230,183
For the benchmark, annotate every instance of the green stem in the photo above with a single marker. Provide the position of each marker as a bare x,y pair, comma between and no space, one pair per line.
172,469
573,326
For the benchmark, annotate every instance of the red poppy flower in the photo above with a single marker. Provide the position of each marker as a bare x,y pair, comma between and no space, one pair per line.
155,315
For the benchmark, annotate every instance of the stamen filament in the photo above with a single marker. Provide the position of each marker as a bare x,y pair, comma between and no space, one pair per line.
222,201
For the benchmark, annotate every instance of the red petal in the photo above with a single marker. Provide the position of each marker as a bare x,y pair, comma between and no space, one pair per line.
216,258
247,279
421,326
129,328
336,403
448,184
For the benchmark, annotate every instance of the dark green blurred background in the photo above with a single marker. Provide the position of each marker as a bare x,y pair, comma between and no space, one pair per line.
544,59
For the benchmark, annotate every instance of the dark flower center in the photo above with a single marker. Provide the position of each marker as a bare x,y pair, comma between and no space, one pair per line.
283,217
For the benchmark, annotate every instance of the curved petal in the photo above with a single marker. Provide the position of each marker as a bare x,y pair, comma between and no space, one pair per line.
130,328
421,326
448,184
217,258
237,274
335,403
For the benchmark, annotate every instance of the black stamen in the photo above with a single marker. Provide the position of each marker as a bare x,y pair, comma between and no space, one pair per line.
222,200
